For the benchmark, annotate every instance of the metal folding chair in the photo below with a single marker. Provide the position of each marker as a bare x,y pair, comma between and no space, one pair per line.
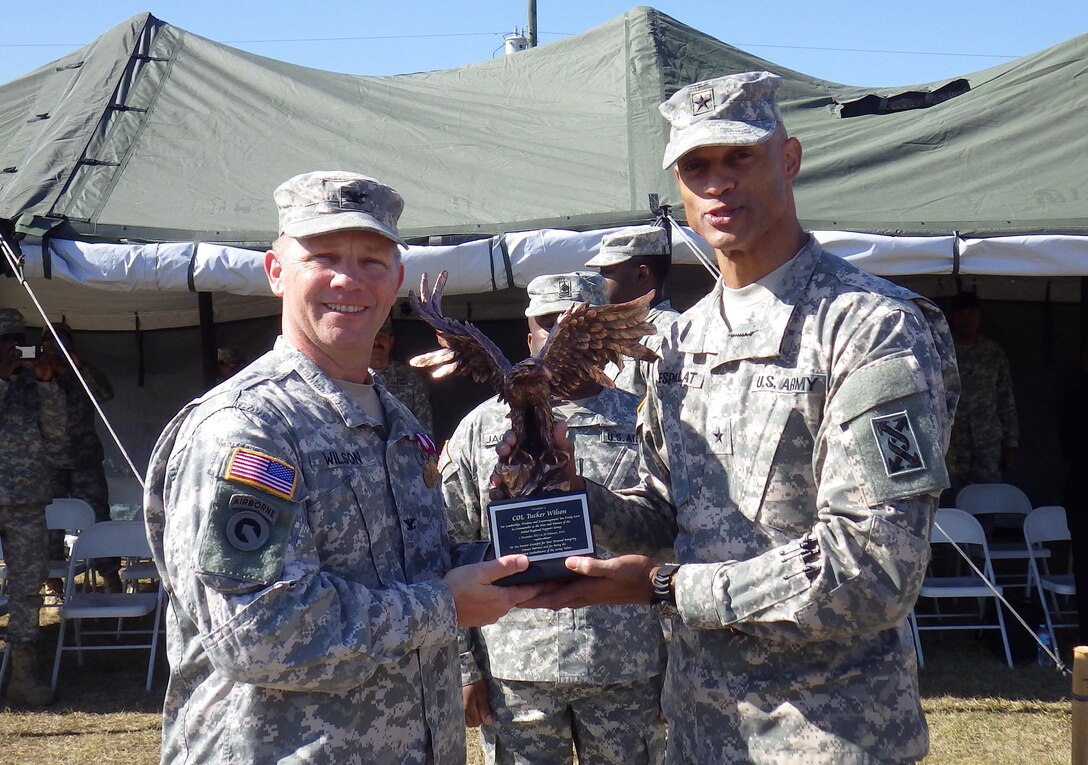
954,525
108,540
1043,526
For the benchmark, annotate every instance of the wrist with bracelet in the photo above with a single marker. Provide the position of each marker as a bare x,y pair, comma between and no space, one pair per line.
663,597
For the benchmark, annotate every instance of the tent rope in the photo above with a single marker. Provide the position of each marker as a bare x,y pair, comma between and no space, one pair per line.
16,269
707,263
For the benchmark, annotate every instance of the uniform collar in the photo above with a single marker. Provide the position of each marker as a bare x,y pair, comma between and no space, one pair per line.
400,422
704,330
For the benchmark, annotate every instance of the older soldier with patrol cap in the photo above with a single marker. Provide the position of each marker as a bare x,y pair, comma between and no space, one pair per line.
634,261
33,418
541,681
298,526
791,451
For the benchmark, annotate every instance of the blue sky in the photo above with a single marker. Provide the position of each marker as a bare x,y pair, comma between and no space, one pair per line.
849,41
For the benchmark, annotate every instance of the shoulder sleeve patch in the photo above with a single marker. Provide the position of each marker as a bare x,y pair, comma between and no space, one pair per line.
261,471
244,544
895,450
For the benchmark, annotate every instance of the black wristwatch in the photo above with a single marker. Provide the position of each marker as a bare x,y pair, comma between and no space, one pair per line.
663,599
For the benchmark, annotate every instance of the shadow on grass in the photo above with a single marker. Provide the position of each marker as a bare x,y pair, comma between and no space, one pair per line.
109,682
962,666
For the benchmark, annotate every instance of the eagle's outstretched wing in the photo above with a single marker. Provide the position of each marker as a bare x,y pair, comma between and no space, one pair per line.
585,337
466,350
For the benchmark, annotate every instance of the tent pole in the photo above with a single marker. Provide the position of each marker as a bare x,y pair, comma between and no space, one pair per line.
207,338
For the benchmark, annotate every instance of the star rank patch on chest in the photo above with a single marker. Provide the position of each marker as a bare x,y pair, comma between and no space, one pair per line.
898,444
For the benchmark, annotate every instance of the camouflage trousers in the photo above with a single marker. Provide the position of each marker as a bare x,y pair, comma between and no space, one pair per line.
539,723
23,530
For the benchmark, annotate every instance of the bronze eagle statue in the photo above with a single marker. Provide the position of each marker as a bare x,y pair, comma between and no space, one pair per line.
583,339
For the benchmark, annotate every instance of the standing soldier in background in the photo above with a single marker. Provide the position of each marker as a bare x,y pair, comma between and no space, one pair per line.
401,380
32,415
76,464
634,261
985,434
538,681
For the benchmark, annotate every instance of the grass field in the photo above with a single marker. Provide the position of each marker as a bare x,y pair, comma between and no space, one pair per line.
979,711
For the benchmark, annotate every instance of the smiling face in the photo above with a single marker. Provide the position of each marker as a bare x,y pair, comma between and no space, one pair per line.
337,290
740,199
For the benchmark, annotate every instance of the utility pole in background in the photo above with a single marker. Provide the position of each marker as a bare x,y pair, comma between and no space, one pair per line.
532,23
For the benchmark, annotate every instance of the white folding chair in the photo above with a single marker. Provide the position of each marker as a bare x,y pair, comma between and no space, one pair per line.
1048,525
1002,507
108,540
954,525
72,516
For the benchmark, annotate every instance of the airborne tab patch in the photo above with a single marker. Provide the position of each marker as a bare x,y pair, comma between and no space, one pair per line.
898,444
252,468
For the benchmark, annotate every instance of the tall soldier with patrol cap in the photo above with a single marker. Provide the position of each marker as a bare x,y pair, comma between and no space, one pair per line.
297,523
538,681
33,418
634,261
791,451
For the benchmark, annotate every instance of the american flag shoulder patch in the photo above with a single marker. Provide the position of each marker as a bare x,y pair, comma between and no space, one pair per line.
262,472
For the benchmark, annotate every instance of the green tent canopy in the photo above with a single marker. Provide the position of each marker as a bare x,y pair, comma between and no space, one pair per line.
155,134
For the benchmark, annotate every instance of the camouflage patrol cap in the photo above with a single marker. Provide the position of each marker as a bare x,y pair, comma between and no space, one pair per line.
555,293
11,322
325,201
734,110
632,242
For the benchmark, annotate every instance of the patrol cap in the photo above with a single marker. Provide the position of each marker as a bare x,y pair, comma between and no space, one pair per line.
734,110
11,322
632,242
555,293
325,201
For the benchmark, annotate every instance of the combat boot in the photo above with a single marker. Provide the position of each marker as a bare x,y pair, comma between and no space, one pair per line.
24,686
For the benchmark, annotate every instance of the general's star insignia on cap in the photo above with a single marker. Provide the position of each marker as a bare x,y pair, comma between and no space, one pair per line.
702,101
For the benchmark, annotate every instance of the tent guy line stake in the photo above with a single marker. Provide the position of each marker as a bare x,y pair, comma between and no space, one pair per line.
1058,665
13,262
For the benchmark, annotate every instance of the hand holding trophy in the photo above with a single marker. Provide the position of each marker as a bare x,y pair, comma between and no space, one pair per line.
540,517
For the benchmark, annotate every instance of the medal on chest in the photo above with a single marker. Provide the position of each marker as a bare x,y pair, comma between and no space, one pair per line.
429,452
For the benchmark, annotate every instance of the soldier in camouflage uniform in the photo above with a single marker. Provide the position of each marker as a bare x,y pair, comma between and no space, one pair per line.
400,380
32,415
634,261
76,465
792,452
541,680
297,523
985,434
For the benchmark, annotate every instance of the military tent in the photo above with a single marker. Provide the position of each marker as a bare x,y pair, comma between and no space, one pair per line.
140,168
